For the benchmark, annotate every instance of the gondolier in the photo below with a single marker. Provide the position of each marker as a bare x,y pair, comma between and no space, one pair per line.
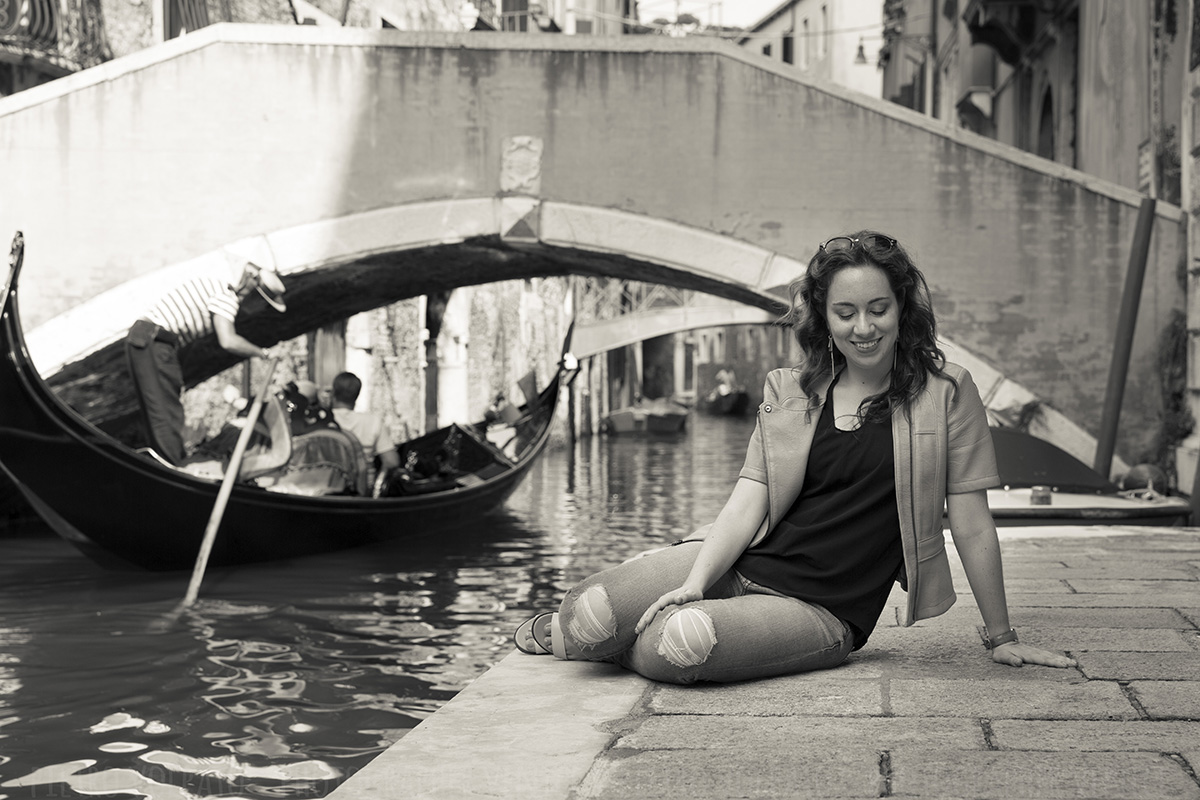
200,307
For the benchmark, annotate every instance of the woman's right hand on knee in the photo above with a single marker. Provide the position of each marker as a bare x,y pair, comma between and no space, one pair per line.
676,597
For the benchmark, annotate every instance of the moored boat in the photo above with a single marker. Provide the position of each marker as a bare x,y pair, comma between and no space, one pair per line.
648,416
1041,484
126,509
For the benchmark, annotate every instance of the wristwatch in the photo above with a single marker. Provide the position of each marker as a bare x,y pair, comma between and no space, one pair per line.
1008,637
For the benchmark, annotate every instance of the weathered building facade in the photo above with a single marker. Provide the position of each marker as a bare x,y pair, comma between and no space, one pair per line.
1098,86
827,40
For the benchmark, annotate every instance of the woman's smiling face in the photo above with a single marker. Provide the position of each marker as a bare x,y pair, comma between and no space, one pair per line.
864,317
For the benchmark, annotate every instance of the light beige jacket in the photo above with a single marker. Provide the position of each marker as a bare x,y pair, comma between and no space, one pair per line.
941,446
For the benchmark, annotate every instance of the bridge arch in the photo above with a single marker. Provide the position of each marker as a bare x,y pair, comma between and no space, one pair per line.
339,267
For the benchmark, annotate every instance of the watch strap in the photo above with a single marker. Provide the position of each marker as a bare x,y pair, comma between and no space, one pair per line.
1008,637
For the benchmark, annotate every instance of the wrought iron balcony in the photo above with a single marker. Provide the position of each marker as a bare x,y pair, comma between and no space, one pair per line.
56,36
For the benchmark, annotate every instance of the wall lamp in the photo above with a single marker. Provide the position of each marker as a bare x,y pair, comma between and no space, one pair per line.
861,56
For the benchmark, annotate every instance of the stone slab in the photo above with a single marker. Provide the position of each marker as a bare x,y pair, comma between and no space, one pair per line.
1019,585
1140,666
1007,699
1170,559
1159,587
1153,640
1139,618
794,695
1096,735
1102,570
784,734
764,773
1126,599
1135,541
1048,776
1168,699
531,723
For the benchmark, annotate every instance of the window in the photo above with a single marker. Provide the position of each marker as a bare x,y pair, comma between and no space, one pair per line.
804,45
514,15
789,44
183,16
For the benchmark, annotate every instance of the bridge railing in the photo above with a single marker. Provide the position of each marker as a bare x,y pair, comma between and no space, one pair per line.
608,298
66,35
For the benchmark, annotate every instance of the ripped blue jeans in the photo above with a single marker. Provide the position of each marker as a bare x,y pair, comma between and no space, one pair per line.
739,631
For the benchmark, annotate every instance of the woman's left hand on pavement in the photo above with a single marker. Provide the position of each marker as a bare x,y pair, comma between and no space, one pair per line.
1016,655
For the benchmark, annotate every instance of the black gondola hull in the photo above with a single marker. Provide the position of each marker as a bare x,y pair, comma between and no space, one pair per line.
125,515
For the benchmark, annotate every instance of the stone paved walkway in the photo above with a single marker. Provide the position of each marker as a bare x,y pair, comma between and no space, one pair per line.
921,712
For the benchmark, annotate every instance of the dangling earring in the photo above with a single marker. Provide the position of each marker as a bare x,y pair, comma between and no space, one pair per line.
832,369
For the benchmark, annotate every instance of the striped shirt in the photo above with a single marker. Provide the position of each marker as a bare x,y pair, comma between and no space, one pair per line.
188,309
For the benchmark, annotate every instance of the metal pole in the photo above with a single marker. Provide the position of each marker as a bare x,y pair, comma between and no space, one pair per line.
1126,322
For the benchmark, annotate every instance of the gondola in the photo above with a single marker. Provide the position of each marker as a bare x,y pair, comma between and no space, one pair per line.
127,510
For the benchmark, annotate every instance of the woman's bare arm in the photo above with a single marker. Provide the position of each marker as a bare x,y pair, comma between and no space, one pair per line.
978,545
728,538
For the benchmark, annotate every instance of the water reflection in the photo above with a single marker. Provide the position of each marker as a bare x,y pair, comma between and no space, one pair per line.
287,677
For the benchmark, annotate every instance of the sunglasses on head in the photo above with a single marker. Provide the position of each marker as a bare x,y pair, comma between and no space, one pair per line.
872,241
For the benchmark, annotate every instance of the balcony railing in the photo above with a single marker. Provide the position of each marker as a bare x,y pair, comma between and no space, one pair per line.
608,298
61,35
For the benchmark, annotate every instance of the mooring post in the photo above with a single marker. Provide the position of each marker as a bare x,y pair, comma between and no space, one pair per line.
1123,346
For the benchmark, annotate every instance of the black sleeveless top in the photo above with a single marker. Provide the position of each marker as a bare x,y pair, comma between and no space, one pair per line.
839,545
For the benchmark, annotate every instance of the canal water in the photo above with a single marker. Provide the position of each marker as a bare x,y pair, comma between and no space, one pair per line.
285,678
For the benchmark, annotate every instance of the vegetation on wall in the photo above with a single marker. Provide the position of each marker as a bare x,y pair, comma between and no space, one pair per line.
1175,422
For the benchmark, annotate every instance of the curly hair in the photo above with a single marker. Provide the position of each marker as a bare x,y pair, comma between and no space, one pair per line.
917,353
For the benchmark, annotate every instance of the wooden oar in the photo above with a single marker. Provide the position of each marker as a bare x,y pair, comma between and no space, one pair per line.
231,474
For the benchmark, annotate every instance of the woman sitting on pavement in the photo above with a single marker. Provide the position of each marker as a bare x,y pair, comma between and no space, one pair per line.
856,454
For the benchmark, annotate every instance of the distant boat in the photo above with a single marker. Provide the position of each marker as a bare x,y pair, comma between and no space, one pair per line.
647,416
728,397
732,402
1044,485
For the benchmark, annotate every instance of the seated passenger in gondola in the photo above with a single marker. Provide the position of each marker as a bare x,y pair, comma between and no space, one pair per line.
368,427
294,434
305,409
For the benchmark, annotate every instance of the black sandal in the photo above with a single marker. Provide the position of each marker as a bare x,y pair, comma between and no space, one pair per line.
526,640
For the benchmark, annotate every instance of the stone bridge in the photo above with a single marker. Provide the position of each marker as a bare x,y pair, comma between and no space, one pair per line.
371,166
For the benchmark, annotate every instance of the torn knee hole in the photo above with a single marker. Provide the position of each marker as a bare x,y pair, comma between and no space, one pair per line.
592,621
688,638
